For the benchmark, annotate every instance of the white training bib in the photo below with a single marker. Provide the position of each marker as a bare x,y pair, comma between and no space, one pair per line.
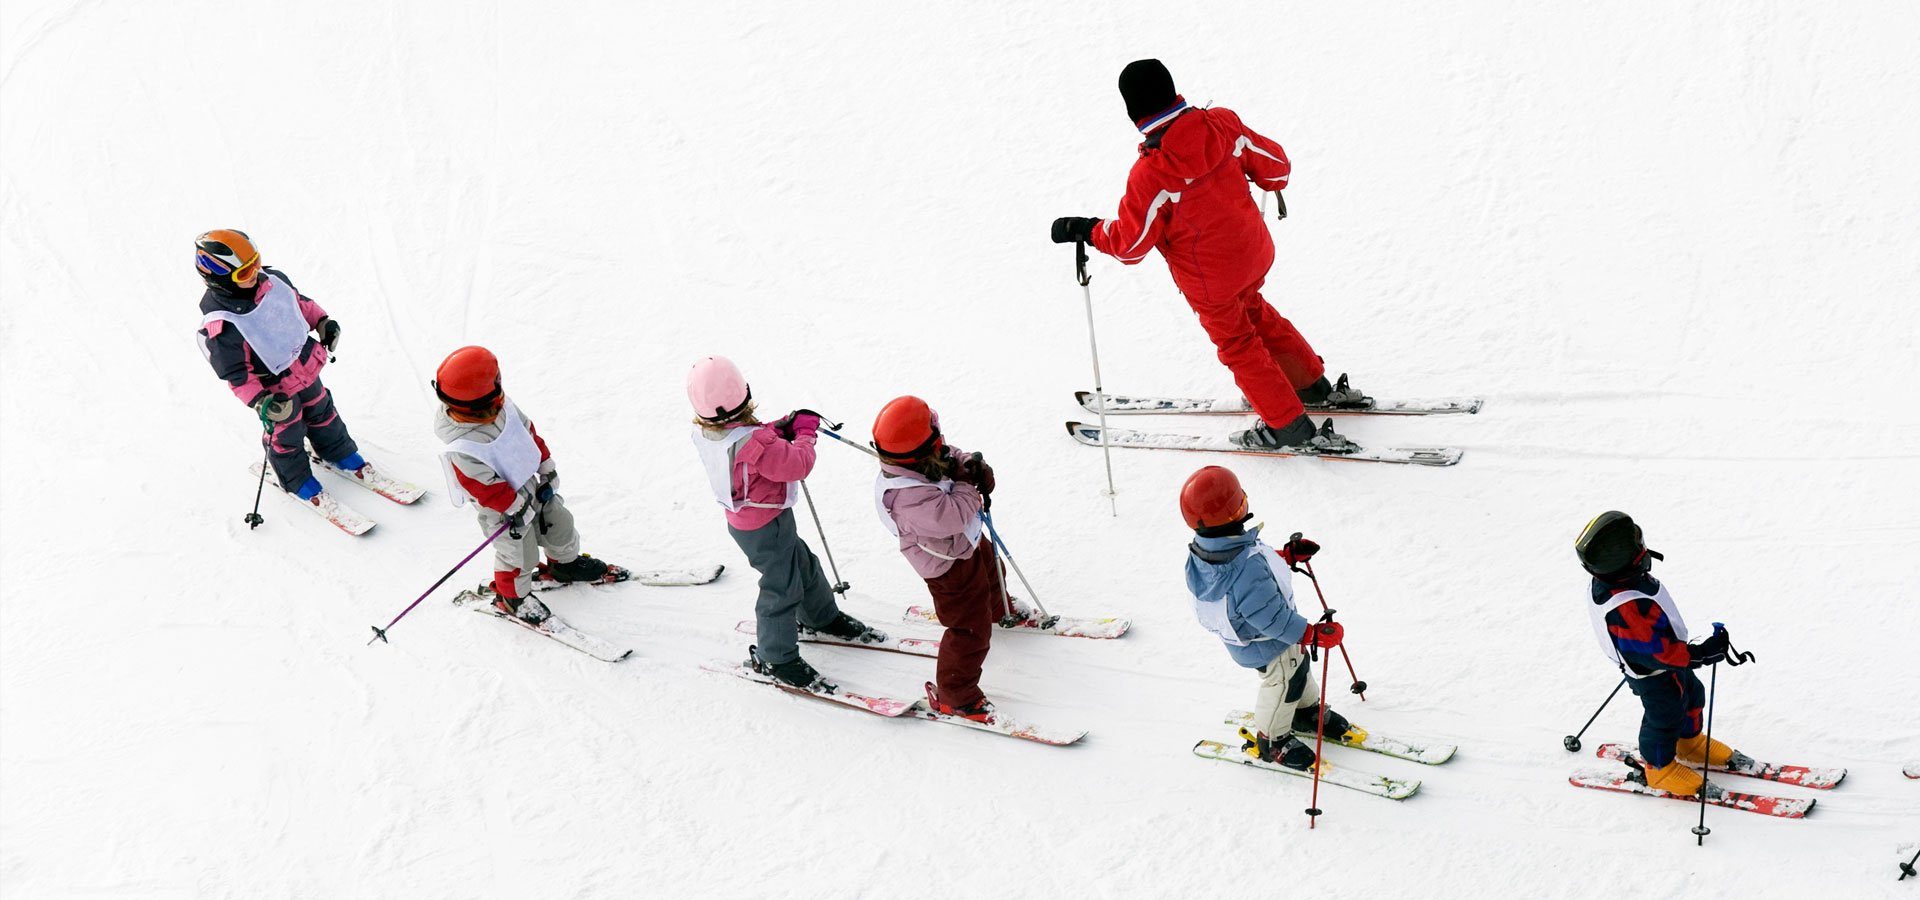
274,328
512,455
1214,614
717,457
884,483
1598,613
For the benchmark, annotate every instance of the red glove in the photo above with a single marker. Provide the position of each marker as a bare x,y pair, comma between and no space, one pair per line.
1298,550
1325,635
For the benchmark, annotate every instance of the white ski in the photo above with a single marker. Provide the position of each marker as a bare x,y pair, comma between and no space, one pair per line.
324,505
679,577
1353,779
1425,752
371,478
906,645
1122,405
1062,626
1912,769
1006,725
554,627
879,706
1090,435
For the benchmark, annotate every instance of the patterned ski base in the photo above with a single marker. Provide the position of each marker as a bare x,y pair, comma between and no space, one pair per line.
891,644
879,706
1141,440
1802,776
1063,626
371,478
1425,752
329,507
554,627
1122,405
1780,807
1006,725
1338,776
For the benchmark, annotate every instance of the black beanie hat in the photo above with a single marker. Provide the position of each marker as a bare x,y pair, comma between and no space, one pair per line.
1147,87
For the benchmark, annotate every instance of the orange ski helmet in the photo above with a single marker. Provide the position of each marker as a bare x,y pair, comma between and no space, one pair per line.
226,257
907,430
469,380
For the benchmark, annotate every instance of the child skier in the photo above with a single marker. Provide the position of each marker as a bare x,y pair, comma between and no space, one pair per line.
1641,632
930,496
1243,593
1187,196
752,469
268,342
494,456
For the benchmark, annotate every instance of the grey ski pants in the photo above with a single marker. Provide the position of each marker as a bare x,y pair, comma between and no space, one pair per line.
792,587
547,526
1286,684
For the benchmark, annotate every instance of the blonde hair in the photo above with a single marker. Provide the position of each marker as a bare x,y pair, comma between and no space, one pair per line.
744,417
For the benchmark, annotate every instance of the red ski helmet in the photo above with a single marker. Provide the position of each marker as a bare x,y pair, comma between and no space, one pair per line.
1212,497
469,380
907,430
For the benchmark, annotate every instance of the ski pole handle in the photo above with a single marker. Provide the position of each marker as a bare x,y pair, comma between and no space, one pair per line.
1080,264
1280,200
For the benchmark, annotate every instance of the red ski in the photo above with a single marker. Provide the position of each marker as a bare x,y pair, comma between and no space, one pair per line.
1803,776
1624,782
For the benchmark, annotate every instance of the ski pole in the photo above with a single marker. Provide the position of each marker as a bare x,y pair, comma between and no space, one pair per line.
1359,687
253,519
1099,389
1906,868
836,436
987,518
1572,741
380,634
1701,830
1320,725
839,586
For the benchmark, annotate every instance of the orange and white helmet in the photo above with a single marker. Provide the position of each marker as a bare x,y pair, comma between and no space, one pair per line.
225,256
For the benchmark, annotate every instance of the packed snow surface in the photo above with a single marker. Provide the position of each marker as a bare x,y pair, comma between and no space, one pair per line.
1675,246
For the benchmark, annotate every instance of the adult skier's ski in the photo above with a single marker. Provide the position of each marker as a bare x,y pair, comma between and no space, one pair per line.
1063,626
879,706
553,627
543,579
1004,724
327,507
1626,783
1741,764
1123,405
906,645
401,492
1128,438
1353,779
1427,752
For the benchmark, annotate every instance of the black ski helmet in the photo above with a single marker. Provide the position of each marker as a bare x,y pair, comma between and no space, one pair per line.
1611,546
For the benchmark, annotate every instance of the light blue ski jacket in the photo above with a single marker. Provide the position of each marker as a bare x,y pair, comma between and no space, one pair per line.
1244,578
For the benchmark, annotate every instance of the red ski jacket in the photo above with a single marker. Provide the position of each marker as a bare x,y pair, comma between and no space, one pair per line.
1187,195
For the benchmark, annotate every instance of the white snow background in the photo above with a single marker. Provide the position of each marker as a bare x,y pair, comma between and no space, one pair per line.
1676,245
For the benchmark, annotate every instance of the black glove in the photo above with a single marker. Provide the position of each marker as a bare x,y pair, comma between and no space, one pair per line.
329,332
273,406
1068,229
544,493
975,471
1298,549
1709,651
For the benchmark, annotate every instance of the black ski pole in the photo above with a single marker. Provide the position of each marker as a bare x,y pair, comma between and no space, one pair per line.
253,519
1906,868
1701,830
1572,741
380,634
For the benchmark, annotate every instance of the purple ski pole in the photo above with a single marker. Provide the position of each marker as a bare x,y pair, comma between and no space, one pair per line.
380,634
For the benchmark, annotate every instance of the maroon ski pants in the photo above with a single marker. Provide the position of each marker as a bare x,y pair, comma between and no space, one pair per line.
968,600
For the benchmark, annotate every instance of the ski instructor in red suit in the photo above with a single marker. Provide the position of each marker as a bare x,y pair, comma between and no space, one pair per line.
1187,196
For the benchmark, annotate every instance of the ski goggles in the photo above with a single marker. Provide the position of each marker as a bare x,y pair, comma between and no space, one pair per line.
230,264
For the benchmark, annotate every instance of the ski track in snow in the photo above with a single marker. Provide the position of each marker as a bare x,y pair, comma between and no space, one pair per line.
1678,271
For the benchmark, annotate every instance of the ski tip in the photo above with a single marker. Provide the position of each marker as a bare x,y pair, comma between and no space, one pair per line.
1073,428
1081,397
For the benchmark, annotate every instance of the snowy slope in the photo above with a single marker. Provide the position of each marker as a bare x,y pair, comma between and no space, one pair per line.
1674,244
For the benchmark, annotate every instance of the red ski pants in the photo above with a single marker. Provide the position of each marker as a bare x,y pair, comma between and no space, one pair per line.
968,600
1269,359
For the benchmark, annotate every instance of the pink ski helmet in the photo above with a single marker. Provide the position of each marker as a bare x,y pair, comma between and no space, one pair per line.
717,389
